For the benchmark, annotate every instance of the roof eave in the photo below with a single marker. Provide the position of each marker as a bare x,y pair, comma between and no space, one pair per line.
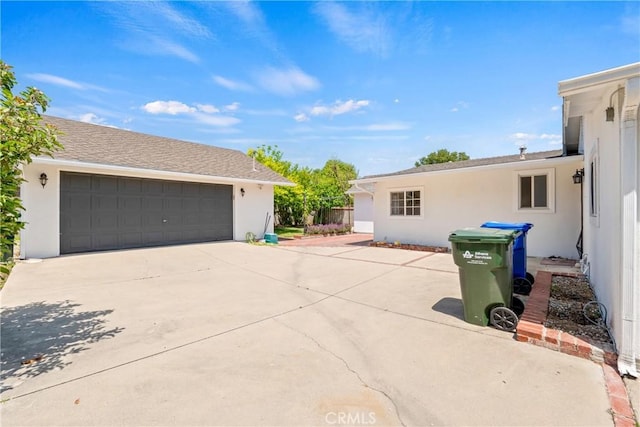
160,174
509,165
586,82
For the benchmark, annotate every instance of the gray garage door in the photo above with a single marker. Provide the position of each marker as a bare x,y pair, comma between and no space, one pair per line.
101,212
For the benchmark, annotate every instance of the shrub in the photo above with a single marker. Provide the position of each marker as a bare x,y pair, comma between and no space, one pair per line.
328,229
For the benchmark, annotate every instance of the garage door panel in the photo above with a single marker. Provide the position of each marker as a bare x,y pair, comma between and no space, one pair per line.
130,203
130,240
100,212
105,241
77,243
104,184
129,186
129,222
104,221
104,202
76,183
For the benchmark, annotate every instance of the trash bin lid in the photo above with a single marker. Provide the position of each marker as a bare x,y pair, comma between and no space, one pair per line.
520,226
483,235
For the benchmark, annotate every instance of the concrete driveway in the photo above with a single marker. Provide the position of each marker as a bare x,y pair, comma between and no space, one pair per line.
239,334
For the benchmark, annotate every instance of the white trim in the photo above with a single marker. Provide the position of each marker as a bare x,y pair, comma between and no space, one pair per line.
510,165
404,190
593,205
551,190
629,348
580,84
138,172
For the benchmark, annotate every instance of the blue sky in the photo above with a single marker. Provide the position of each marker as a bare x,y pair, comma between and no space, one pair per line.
375,84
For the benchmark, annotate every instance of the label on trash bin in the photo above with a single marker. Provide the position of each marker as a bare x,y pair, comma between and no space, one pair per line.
477,257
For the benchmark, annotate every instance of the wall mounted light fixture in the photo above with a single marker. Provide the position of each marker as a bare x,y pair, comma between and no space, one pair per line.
610,112
577,177
43,179
242,192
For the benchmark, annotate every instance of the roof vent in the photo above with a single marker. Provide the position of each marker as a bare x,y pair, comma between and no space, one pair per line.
523,148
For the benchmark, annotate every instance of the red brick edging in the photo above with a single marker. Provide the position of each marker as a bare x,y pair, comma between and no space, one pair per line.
531,329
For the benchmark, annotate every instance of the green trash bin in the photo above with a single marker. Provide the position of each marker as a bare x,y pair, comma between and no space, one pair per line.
484,259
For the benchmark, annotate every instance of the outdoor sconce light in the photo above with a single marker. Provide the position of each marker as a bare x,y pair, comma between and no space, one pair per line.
577,177
242,192
43,179
610,112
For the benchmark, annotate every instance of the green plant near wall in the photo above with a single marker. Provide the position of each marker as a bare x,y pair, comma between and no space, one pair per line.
24,136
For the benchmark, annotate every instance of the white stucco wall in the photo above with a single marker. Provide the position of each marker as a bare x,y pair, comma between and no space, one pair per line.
362,213
250,211
470,197
604,235
41,236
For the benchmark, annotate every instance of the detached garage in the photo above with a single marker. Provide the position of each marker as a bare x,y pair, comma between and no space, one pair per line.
115,189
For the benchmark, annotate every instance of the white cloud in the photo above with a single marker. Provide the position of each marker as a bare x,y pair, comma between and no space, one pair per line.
56,80
163,46
302,117
388,126
153,28
91,118
339,108
232,107
216,120
522,137
206,108
460,105
363,30
287,82
231,84
167,107
61,81
555,108
203,113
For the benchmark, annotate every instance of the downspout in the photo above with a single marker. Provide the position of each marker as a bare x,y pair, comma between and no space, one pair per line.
629,343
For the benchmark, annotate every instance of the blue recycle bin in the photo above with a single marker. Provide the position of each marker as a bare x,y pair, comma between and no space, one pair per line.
523,280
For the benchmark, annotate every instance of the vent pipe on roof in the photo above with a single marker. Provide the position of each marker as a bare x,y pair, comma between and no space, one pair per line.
523,148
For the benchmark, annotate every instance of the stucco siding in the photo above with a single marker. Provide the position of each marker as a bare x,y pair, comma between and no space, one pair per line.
468,198
363,213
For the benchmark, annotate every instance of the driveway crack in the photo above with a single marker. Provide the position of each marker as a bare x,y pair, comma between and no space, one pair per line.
348,367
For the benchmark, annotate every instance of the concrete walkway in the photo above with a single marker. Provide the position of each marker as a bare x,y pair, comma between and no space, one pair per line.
239,334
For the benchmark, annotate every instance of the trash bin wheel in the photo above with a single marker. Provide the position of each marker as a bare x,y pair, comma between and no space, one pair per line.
521,286
517,306
530,277
503,318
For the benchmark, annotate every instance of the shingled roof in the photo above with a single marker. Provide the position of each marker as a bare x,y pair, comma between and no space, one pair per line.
89,143
488,161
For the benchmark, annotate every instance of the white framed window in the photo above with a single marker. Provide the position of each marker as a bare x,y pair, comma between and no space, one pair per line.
535,190
405,203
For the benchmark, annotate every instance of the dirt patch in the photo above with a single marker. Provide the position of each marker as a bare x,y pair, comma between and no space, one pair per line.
573,308
397,245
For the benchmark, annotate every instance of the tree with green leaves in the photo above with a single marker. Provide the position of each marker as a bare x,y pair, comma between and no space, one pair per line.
315,189
442,156
24,136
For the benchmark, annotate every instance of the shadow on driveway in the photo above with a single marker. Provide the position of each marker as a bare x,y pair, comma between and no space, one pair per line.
37,337
451,306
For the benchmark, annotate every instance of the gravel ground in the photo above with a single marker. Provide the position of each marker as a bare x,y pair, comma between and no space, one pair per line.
567,311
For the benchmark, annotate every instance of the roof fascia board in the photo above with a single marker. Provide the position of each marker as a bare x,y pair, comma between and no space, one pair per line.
177,176
580,84
526,164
